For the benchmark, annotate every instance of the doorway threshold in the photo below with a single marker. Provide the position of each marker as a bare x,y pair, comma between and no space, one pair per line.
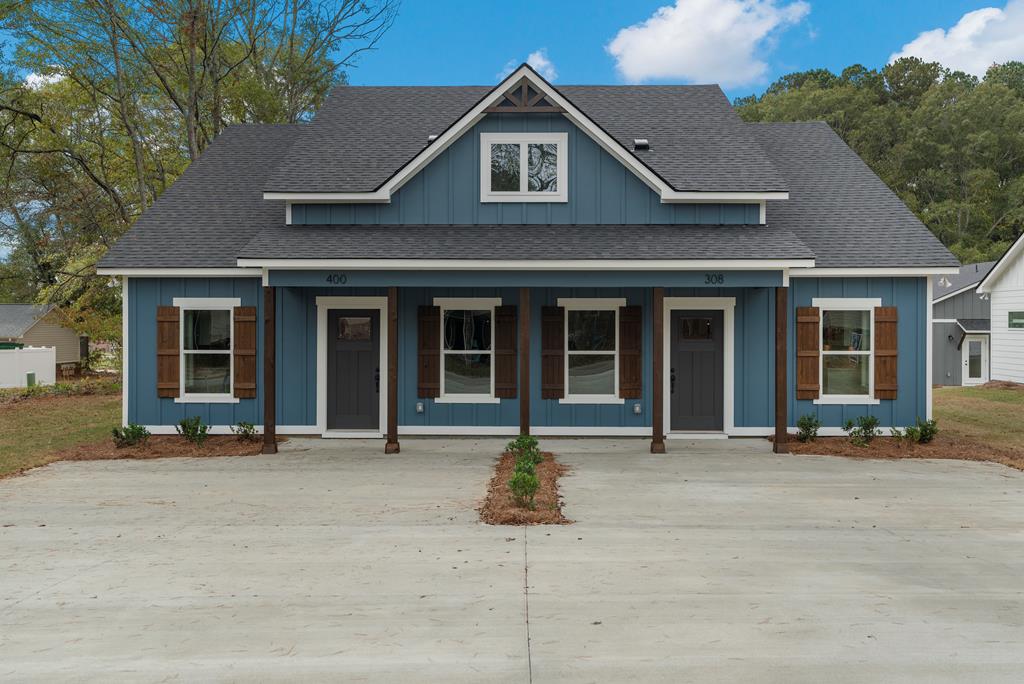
697,434
352,434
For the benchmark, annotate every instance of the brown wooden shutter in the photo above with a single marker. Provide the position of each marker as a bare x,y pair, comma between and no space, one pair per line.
808,350
631,372
505,346
429,351
552,352
168,359
245,352
885,352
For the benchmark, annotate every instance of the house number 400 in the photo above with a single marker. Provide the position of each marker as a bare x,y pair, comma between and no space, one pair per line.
714,278
337,278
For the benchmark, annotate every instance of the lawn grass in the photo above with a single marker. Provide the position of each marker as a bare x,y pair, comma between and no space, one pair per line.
31,431
990,416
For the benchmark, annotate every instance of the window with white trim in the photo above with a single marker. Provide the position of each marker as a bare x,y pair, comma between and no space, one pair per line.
207,346
847,354
523,167
592,350
467,349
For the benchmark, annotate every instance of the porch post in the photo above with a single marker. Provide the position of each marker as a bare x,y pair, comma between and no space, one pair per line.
269,372
781,395
524,360
658,379
391,446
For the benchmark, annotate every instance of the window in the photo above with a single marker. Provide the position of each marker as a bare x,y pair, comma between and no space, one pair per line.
591,350
847,358
467,353
523,167
1015,319
207,359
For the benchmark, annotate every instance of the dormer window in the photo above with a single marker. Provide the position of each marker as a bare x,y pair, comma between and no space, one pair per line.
523,167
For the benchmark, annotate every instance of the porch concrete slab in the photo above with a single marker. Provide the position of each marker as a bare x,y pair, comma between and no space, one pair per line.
721,561
718,561
328,561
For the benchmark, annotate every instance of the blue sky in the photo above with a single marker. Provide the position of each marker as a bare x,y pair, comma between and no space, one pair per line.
470,42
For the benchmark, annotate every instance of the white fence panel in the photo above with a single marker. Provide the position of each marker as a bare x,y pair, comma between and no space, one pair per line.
15,364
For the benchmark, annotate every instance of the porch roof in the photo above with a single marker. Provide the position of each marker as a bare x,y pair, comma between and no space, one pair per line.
528,242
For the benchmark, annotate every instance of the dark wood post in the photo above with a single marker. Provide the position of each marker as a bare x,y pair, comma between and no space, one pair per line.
391,446
269,372
524,360
658,381
781,378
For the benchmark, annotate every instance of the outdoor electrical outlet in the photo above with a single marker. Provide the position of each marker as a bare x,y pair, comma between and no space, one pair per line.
636,409
419,407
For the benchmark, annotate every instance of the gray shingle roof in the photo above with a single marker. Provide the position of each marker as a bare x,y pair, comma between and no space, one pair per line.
215,207
970,274
16,319
839,207
974,324
363,135
526,242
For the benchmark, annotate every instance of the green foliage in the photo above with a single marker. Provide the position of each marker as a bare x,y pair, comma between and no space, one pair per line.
807,426
193,429
245,432
525,447
85,387
130,435
921,432
951,146
523,486
863,430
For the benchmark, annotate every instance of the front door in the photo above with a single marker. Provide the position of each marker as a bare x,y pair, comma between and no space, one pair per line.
975,359
696,371
353,369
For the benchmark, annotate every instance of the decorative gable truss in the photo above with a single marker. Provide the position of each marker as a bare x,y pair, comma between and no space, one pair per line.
526,91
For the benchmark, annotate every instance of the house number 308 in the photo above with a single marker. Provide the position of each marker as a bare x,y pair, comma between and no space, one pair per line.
337,278
714,278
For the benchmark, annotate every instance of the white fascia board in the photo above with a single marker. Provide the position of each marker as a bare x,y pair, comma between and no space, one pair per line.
526,265
985,286
180,272
950,295
470,118
896,271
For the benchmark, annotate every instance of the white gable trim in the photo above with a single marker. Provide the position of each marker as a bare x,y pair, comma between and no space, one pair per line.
470,118
950,295
1004,262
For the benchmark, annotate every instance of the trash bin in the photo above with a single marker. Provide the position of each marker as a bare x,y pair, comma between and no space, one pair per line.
30,379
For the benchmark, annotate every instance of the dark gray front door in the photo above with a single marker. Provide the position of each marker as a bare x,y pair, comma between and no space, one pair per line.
697,368
353,369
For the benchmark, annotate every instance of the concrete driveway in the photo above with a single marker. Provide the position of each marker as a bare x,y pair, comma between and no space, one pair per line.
716,562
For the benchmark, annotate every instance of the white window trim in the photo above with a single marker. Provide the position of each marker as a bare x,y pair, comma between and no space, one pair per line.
561,140
590,304
847,304
206,304
478,304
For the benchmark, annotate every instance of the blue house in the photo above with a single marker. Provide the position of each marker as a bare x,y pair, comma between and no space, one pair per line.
580,260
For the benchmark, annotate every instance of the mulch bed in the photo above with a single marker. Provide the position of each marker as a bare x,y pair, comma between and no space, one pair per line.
499,507
943,446
163,446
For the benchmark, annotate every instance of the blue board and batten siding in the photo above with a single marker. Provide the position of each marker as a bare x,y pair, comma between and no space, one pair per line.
297,358
601,190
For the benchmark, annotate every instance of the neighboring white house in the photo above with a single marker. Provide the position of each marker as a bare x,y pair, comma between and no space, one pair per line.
38,325
1005,285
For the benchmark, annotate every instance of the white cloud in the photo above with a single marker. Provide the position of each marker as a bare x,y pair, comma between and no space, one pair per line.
980,39
718,41
36,81
538,59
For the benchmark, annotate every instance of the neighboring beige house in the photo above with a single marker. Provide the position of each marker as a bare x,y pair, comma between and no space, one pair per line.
38,325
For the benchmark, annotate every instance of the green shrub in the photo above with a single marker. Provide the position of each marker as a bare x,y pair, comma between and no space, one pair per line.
523,487
923,432
129,435
863,430
808,426
193,430
246,432
525,464
525,446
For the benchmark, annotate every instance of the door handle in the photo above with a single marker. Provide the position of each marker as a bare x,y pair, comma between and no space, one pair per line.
376,379
672,381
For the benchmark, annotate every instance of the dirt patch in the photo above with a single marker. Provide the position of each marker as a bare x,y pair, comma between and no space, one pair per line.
1002,384
500,508
943,446
158,446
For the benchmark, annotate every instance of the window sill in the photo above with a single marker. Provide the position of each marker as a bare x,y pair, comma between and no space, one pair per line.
855,400
551,197
592,399
468,399
206,399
